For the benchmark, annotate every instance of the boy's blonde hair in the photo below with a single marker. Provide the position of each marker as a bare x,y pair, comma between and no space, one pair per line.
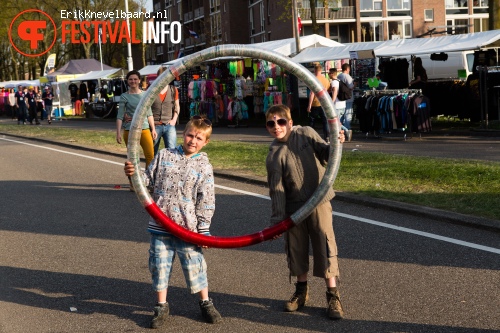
279,110
199,125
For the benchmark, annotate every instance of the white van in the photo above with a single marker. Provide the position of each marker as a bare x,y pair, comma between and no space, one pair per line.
446,69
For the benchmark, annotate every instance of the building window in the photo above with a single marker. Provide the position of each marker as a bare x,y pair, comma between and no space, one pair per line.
214,6
371,8
168,3
398,4
456,7
215,27
372,31
456,3
480,6
159,50
371,5
340,33
480,3
480,24
457,26
252,28
429,15
262,18
398,8
399,29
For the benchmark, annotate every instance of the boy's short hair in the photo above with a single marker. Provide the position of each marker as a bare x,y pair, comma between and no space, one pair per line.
318,67
345,66
279,110
199,125
332,70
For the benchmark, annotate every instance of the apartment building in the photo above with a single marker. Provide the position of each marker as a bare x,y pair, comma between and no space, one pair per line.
348,21
204,23
211,22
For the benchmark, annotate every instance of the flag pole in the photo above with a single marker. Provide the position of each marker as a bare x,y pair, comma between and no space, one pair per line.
295,26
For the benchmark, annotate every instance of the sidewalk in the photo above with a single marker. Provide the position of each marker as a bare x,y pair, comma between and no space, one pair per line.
426,212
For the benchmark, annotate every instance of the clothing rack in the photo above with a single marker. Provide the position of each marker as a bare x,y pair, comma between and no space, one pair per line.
493,69
386,120
445,80
392,92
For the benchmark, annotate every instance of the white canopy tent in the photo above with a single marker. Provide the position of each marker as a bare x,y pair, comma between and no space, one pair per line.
334,53
405,47
149,69
105,74
285,47
24,83
453,43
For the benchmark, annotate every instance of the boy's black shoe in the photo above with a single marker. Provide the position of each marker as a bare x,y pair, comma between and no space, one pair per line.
160,316
334,309
299,298
209,312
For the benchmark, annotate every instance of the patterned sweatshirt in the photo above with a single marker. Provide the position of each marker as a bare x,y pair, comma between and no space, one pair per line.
294,170
183,189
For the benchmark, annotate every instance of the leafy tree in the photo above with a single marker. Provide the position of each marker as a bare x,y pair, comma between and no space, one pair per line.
287,12
494,11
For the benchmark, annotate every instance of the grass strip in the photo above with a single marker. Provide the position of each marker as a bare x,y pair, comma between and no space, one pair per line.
464,186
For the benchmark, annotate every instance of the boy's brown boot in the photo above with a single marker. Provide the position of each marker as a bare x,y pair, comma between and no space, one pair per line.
334,309
299,297
160,316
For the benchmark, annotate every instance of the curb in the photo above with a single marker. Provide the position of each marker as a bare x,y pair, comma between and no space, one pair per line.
400,207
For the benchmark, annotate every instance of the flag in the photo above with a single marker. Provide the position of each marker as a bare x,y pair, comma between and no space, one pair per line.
299,23
50,64
178,54
193,34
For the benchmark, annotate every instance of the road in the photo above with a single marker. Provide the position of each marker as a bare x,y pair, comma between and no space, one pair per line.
73,258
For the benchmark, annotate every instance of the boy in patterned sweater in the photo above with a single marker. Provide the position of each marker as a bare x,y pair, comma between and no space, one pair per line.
182,181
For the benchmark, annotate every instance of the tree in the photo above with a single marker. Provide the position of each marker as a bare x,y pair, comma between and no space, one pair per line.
287,14
494,11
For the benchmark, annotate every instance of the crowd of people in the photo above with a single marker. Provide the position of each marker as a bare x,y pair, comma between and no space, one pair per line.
26,103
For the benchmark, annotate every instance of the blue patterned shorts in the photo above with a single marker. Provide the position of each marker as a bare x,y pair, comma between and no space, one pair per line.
162,251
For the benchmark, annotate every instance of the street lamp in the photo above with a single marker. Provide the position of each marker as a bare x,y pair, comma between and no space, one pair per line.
130,62
100,48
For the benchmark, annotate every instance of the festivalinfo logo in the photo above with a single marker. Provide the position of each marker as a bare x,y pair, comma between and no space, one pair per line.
33,32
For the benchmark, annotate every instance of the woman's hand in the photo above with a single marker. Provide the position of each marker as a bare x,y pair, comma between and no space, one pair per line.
342,136
129,168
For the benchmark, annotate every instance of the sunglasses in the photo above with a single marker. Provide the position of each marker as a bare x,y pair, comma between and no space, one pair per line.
281,122
206,121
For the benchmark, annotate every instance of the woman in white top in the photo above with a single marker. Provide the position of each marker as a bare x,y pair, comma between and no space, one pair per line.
340,106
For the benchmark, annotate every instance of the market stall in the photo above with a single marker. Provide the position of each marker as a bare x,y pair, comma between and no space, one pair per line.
101,86
450,97
234,90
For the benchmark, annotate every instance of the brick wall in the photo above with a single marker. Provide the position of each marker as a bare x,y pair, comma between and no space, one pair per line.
419,24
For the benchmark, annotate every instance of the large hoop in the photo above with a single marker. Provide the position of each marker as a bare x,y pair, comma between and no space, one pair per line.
195,59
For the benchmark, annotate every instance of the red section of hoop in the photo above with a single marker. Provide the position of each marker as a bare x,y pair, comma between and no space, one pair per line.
215,241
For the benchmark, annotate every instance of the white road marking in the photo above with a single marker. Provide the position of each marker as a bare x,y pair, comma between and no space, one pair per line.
347,216
420,233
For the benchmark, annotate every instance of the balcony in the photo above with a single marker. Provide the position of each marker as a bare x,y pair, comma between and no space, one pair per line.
188,17
190,42
199,12
347,12
305,13
323,13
